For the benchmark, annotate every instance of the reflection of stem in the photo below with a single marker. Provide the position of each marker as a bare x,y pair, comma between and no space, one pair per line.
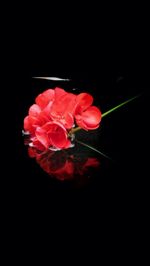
92,148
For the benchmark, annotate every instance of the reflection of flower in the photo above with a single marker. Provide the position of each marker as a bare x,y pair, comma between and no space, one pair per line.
52,118
63,165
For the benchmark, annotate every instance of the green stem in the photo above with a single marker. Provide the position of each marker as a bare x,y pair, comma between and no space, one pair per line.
73,130
118,106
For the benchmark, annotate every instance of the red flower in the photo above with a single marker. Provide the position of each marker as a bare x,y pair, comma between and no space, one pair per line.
54,114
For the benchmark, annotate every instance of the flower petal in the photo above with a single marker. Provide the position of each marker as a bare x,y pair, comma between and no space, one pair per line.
41,101
43,118
42,137
44,98
68,103
57,134
84,100
89,119
34,110
68,121
48,108
34,121
27,125
59,93
49,94
62,110
38,145
65,104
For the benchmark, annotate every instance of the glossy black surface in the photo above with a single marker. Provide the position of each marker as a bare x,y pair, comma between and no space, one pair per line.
119,186
116,181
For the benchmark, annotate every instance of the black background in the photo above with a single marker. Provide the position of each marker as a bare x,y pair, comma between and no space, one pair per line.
111,64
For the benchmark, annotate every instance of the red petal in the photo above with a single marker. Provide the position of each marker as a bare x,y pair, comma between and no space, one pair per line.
92,116
58,137
57,134
43,118
48,108
81,124
41,101
34,110
44,115
62,110
89,119
67,144
68,121
48,126
84,100
59,93
34,121
63,105
27,125
42,137
68,103
49,94
44,98
38,145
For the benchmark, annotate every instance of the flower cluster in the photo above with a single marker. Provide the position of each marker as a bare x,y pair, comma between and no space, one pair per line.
55,114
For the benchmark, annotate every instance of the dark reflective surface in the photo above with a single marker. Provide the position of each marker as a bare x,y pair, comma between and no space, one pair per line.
116,184
66,165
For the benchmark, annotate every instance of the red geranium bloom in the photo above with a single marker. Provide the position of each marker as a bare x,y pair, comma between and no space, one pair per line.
54,114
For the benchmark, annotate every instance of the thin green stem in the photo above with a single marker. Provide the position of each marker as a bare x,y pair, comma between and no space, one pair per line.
73,130
118,106
76,129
